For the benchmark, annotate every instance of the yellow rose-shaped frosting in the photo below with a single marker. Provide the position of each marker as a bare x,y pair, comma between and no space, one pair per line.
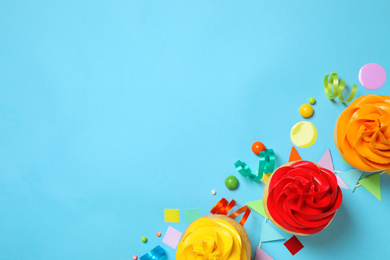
211,239
362,133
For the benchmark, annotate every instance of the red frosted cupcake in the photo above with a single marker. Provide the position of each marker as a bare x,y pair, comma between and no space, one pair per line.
302,198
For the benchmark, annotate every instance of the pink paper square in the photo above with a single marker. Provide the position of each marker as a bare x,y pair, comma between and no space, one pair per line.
172,237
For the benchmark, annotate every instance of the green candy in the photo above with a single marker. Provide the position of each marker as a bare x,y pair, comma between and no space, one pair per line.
312,101
144,239
231,182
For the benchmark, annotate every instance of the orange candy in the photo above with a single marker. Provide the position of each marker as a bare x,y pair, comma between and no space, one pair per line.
362,133
258,147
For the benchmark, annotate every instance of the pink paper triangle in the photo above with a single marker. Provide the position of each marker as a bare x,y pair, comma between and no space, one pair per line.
262,255
341,183
326,161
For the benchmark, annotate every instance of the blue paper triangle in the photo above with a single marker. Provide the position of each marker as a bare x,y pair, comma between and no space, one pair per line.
351,178
269,234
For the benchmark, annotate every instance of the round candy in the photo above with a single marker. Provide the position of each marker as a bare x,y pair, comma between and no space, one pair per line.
144,239
231,182
158,234
213,192
303,134
312,101
372,76
135,257
258,147
306,110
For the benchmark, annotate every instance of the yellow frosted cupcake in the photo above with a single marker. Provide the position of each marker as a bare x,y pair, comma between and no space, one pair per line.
214,237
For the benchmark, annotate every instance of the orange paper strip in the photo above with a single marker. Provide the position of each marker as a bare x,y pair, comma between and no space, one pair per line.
223,207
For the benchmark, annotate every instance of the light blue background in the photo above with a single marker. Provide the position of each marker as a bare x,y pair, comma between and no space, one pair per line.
111,111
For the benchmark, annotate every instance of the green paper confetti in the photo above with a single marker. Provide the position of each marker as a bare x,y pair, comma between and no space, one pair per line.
373,184
191,215
257,206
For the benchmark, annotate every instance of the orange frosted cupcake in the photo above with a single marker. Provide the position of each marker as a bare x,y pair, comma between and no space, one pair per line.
301,198
362,133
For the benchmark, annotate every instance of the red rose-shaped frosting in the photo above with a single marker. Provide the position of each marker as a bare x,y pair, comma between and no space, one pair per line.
303,198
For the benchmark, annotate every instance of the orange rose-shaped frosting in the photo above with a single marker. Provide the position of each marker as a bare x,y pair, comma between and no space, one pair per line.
362,133
302,197
211,239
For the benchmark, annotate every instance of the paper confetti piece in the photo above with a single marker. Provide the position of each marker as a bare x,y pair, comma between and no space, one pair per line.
326,161
341,183
364,175
343,162
373,185
293,245
191,215
266,177
294,156
269,234
172,237
262,255
257,206
351,178
172,215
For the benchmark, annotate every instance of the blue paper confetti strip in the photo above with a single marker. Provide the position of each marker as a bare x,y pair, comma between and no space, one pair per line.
245,171
157,253
351,178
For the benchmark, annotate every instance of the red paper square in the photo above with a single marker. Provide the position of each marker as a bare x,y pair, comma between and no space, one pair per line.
293,245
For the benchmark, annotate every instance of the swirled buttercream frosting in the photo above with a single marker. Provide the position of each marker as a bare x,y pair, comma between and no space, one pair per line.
362,133
302,198
211,239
